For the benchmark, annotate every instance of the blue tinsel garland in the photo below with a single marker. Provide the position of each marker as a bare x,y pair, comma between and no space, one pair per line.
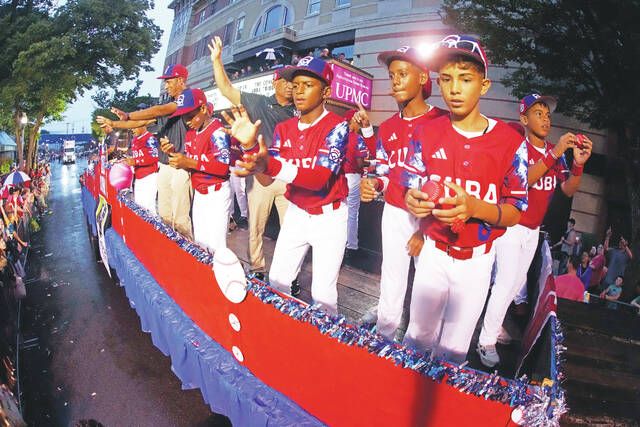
539,405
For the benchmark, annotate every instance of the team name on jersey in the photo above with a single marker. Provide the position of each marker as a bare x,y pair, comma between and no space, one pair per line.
305,162
397,157
546,183
137,153
473,188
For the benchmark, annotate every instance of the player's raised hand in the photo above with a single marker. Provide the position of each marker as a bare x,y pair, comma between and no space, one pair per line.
582,151
415,243
361,117
242,128
101,120
418,203
215,48
463,205
253,163
166,146
368,189
121,114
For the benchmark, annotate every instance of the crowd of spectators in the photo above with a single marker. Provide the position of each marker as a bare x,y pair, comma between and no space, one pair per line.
599,271
21,206
261,65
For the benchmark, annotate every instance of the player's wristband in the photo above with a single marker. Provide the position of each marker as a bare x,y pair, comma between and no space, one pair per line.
576,169
367,132
499,215
549,159
126,116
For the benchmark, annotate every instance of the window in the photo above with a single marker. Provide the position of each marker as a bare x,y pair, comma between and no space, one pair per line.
276,17
343,3
314,7
228,33
239,28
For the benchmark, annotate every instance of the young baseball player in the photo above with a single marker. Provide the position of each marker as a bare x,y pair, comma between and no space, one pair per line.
483,164
206,157
307,153
516,248
353,168
144,159
401,238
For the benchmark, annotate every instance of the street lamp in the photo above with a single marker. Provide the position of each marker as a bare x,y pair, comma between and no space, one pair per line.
23,123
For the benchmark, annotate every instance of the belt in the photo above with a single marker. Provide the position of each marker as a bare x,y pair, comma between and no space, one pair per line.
204,189
323,209
463,253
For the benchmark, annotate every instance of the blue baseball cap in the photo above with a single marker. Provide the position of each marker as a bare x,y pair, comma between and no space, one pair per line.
189,100
309,65
173,71
535,98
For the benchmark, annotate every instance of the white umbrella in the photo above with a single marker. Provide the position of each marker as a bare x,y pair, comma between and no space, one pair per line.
269,54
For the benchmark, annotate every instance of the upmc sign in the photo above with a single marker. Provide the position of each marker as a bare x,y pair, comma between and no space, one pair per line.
350,86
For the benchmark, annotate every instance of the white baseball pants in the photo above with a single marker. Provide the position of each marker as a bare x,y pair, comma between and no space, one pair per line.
327,235
145,191
353,202
446,302
210,217
239,190
397,227
514,252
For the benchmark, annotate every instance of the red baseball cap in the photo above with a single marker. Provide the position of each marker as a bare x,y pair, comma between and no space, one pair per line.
210,108
189,100
405,53
173,71
408,54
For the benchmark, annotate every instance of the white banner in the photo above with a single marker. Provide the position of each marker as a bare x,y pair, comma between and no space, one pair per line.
262,85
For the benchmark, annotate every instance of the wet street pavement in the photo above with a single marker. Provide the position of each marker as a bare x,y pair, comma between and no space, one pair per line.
83,354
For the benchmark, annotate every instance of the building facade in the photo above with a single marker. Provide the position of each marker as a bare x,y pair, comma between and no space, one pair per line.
359,29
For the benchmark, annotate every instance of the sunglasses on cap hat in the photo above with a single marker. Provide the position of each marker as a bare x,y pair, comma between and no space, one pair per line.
464,45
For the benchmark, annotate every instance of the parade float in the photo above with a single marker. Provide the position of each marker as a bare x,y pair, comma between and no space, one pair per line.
266,359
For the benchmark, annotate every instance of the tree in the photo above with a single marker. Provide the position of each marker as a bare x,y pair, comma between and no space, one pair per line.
586,52
126,100
52,55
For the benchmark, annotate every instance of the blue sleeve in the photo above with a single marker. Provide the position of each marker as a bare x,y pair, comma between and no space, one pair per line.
332,153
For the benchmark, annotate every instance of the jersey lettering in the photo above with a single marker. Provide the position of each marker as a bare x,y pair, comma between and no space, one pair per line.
397,157
546,183
474,188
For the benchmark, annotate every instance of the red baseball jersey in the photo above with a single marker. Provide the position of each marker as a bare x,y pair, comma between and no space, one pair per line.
323,144
394,135
356,149
541,193
210,148
491,167
144,150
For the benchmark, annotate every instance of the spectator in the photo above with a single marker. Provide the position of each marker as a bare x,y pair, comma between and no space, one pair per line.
598,269
612,293
566,243
294,59
636,301
618,259
325,54
584,270
342,57
569,286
